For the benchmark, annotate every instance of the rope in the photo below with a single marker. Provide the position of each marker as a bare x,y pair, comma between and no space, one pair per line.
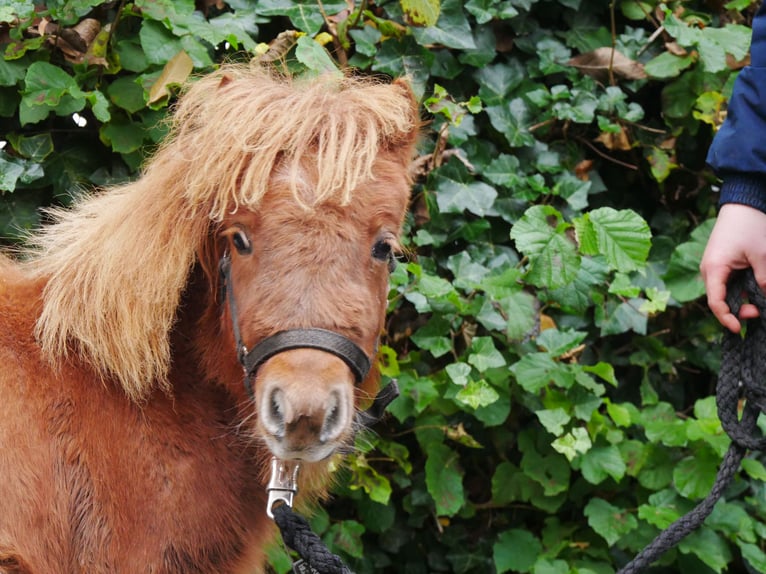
743,365
297,534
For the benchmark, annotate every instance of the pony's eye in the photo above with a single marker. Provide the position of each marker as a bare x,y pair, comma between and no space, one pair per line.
241,242
383,251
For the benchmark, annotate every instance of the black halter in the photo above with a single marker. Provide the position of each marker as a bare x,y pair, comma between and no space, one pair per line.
311,338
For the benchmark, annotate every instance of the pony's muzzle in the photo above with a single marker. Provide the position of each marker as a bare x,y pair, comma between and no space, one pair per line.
305,403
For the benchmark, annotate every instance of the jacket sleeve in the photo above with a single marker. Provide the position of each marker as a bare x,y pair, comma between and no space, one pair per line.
738,152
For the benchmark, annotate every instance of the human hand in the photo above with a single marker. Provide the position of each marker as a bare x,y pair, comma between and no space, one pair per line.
738,241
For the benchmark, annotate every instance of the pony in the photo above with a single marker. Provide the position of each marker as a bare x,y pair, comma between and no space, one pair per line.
128,441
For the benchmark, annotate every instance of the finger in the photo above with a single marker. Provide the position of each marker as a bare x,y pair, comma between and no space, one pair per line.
748,311
715,284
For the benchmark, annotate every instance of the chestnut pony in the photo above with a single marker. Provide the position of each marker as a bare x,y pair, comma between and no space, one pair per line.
128,442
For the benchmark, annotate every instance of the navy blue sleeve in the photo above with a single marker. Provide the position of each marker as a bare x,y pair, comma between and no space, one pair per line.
738,152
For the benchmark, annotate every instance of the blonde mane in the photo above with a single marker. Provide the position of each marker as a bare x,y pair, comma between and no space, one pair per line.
117,262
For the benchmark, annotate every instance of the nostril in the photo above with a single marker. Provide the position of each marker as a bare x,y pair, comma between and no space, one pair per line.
274,413
334,418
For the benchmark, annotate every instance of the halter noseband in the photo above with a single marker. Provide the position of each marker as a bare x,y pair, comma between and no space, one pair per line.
311,338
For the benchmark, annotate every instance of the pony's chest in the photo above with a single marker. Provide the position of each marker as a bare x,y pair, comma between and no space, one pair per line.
167,487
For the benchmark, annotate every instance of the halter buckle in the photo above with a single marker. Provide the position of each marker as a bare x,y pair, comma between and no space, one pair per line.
283,483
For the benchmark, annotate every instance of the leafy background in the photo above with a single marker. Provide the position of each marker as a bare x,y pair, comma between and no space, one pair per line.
547,328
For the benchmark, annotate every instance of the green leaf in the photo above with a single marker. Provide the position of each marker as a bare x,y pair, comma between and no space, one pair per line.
444,479
377,487
603,461
558,342
458,191
451,30
158,43
609,521
682,277
709,547
694,476
535,371
49,88
753,555
11,169
477,394
667,65
603,370
573,443
11,72
553,420
619,414
484,355
421,12
347,536
433,336
515,550
754,468
35,148
124,136
622,237
314,56
541,236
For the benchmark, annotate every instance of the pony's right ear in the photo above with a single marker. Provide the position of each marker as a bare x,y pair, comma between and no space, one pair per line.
408,139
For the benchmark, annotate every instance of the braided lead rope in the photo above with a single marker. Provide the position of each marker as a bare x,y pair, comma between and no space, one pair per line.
743,367
297,534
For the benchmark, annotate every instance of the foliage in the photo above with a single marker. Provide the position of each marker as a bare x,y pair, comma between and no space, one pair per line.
546,328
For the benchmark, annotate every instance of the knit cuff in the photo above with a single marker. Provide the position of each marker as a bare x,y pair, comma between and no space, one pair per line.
746,189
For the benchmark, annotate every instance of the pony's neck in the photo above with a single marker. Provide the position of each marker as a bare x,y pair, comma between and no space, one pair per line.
203,349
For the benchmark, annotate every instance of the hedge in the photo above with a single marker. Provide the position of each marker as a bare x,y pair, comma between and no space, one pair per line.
548,327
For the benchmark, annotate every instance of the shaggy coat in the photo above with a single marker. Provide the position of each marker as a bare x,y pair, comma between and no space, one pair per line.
127,441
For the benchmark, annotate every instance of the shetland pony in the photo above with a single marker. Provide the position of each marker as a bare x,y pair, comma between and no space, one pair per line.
128,441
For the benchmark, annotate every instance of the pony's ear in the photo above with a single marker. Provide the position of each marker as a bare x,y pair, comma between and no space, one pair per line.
409,138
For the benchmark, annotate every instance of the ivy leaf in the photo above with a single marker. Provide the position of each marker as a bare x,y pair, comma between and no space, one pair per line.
515,550
609,521
559,342
444,479
622,237
451,30
534,371
477,394
421,12
458,191
11,169
314,56
540,235
512,118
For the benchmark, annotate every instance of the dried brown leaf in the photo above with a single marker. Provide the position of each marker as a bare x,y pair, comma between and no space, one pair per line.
598,63
615,140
